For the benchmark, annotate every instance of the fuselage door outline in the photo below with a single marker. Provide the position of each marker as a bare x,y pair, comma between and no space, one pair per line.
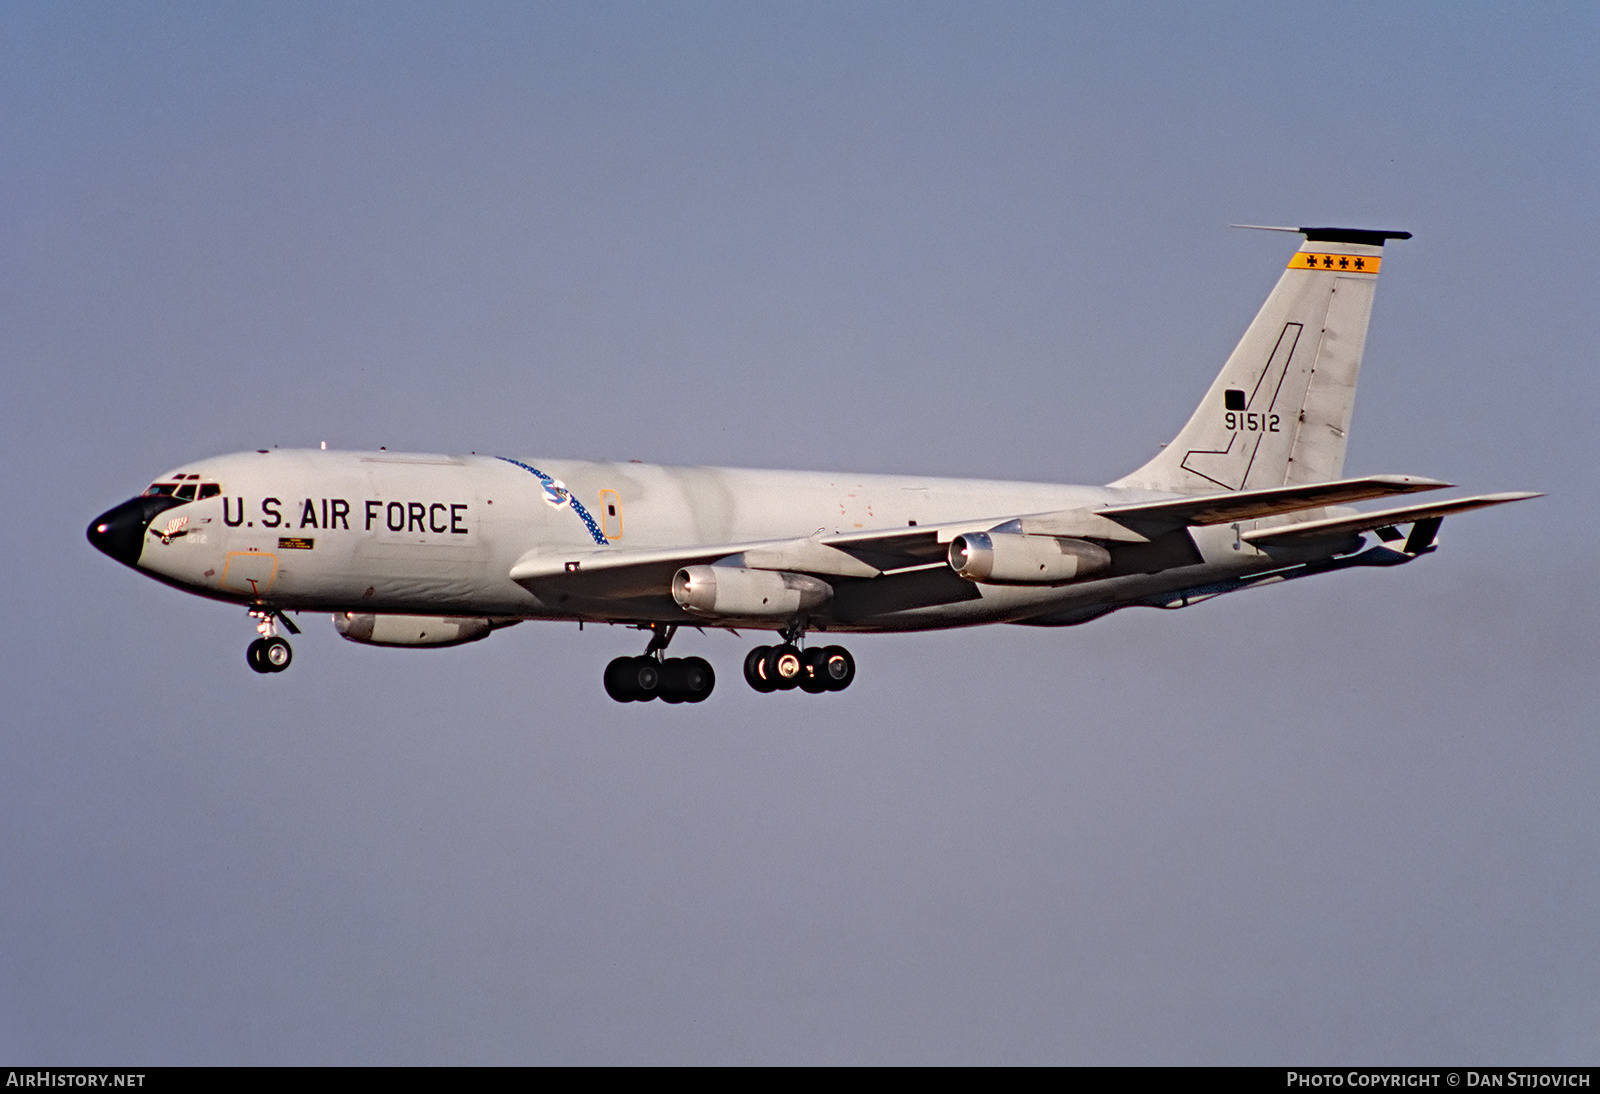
611,514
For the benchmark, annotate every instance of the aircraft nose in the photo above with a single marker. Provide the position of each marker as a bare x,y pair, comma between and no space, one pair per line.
119,531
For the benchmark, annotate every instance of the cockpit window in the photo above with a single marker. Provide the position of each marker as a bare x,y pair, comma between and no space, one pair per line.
184,491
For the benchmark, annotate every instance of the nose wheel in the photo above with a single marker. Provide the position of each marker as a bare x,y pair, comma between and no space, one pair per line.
269,653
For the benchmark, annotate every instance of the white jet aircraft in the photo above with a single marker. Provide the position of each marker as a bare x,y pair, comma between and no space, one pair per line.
428,550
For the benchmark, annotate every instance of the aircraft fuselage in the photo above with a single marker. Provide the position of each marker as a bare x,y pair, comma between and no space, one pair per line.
419,534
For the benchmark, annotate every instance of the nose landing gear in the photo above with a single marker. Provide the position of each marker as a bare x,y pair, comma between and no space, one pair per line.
269,653
651,676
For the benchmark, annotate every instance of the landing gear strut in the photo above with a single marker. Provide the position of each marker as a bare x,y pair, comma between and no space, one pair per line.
269,653
652,676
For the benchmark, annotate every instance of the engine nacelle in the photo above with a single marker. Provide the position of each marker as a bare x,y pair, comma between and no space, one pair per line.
411,630
1008,558
737,593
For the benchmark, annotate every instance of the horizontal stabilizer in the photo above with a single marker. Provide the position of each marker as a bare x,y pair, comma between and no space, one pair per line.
1382,518
1268,502
1366,236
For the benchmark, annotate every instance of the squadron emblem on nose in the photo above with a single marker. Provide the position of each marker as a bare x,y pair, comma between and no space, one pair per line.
174,529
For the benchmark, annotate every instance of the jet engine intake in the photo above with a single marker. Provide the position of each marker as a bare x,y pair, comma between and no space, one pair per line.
736,593
1009,558
411,630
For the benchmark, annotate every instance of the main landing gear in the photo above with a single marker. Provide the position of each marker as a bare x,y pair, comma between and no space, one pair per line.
785,667
652,676
269,653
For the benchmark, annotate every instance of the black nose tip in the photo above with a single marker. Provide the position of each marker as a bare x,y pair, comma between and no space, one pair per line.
119,532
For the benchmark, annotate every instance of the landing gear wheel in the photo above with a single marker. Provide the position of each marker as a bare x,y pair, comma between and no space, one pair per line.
686,680
633,679
672,688
755,669
616,679
783,667
275,654
838,668
813,667
702,679
252,655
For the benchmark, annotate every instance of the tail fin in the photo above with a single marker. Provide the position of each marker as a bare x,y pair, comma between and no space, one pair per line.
1278,413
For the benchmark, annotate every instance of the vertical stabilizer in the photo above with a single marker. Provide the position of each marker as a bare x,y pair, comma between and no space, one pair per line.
1279,412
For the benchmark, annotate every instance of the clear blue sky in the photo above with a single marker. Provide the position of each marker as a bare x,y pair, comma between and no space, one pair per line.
1350,820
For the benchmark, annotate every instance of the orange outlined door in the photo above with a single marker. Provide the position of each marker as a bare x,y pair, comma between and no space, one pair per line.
611,514
249,572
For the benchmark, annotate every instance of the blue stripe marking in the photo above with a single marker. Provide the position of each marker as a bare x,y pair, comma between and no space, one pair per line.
577,506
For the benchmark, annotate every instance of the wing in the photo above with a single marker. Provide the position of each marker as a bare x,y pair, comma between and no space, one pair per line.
1255,504
616,574
1381,518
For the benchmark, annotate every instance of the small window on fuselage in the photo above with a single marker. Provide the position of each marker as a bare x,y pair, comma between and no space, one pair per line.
209,490
185,492
160,489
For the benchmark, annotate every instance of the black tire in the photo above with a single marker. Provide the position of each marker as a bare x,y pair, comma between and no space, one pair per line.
686,680
275,655
812,665
784,667
618,685
252,656
646,677
633,679
838,668
673,687
755,669
700,679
